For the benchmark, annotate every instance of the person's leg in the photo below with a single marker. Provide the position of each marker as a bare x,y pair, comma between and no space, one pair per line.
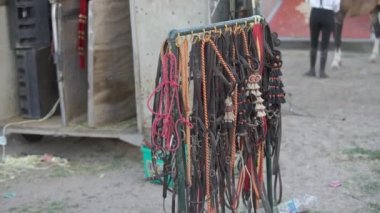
375,17
327,28
314,34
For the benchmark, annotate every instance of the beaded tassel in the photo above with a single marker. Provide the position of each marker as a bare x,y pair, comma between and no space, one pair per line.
253,88
229,112
276,94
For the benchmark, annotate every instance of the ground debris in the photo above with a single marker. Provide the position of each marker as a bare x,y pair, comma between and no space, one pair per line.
12,166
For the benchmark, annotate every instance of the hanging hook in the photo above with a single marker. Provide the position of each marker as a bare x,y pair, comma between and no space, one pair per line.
178,41
237,29
228,28
258,19
194,37
206,36
170,47
217,32
204,33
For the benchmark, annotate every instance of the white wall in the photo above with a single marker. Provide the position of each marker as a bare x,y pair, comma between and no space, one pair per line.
151,22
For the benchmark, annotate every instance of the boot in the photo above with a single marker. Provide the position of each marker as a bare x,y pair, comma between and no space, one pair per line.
322,72
313,58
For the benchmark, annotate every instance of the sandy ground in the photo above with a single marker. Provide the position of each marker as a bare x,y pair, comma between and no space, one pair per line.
331,131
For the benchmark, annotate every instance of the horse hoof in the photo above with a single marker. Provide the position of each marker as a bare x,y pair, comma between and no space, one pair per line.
372,59
334,67
336,64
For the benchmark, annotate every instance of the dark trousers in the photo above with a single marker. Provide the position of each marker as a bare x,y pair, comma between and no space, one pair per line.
321,20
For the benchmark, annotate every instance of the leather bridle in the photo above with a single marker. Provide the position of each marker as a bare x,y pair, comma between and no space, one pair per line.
236,95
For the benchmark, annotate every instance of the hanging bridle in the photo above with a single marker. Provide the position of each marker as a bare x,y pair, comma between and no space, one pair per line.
224,119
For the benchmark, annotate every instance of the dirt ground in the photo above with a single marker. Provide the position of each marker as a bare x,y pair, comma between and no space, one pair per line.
331,131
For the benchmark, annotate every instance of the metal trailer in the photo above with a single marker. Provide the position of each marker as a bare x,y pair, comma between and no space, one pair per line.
147,24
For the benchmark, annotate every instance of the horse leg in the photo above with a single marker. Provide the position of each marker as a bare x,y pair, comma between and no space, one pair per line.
337,61
375,16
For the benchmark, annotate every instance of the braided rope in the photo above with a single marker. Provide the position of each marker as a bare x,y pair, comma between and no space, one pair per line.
235,103
246,50
235,97
205,112
184,71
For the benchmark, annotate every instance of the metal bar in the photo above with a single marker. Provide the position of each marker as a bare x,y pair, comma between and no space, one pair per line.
57,39
187,31
136,67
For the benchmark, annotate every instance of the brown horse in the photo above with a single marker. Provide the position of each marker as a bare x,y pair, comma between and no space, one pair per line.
354,8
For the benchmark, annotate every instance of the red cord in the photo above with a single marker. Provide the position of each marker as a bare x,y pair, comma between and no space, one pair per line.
265,126
168,91
257,36
82,26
